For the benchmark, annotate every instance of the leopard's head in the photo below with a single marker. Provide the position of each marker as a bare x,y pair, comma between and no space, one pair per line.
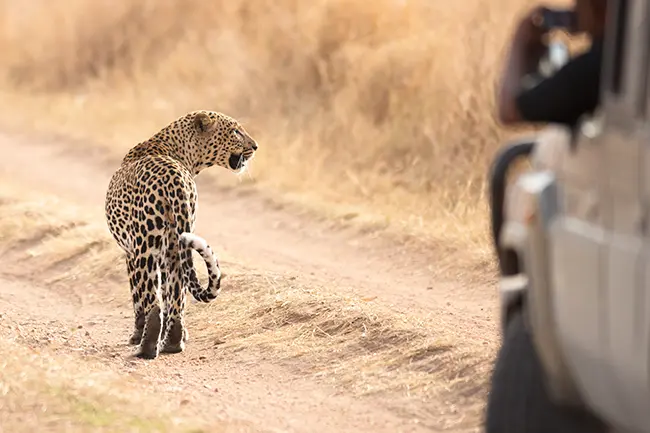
220,140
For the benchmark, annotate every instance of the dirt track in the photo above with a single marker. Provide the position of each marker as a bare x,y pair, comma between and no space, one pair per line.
257,234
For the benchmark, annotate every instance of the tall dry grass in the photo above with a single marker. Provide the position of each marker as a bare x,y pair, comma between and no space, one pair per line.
382,105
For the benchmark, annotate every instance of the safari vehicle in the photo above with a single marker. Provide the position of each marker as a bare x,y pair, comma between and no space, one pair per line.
572,236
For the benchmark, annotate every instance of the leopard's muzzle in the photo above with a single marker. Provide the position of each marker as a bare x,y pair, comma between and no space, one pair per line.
237,162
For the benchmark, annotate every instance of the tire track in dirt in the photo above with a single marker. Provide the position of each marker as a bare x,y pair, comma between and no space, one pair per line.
239,388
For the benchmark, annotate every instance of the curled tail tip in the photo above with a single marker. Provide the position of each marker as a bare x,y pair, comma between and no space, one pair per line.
209,295
192,242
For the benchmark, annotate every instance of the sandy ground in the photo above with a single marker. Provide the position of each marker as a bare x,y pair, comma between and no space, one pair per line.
254,392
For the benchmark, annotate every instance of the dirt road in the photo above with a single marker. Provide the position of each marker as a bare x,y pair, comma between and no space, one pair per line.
259,236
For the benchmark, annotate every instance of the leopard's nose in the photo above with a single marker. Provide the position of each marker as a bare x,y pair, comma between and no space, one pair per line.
254,146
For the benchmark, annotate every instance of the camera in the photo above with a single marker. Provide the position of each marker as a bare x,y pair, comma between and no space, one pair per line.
552,19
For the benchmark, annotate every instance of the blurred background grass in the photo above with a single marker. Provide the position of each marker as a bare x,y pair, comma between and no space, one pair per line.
381,108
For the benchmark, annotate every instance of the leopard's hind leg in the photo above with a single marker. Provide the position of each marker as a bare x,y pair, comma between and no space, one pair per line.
146,260
134,280
175,331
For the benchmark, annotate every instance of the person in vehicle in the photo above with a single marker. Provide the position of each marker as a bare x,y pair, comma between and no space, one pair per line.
567,95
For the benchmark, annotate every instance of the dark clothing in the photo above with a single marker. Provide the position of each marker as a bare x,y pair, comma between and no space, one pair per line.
566,96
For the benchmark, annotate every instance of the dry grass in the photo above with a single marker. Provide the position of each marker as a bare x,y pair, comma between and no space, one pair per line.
347,340
353,343
382,106
44,393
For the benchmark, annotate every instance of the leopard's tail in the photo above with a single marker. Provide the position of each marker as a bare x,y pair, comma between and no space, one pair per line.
189,242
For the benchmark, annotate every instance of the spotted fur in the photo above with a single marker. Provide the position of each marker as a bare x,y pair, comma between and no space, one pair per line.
151,206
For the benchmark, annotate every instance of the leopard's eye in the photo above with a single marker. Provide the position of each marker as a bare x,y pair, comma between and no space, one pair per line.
238,134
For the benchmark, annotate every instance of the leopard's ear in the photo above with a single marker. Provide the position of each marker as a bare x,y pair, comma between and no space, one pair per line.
203,122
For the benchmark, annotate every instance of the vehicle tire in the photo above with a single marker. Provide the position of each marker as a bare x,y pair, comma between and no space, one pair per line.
518,401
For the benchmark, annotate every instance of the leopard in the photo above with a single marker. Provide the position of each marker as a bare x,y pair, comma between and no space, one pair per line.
151,208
